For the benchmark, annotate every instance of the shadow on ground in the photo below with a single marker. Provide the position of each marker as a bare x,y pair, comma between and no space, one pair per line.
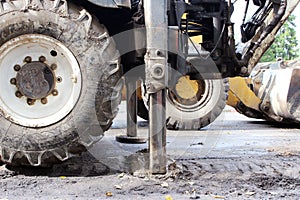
80,166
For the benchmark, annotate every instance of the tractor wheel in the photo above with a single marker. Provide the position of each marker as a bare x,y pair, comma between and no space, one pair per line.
191,104
194,104
59,81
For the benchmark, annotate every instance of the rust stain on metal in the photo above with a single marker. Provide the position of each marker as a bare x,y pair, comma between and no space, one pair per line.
35,80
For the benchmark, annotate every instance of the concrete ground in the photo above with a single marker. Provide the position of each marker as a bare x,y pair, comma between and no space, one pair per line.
233,158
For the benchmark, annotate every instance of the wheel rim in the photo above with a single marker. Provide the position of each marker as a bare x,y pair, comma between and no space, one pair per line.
190,95
40,80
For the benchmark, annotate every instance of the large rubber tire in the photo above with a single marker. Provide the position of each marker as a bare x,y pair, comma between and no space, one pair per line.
204,113
100,93
196,118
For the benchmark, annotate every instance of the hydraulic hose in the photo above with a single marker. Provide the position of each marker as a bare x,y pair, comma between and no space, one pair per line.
268,29
244,61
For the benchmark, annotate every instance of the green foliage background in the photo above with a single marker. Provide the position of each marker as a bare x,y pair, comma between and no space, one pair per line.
285,45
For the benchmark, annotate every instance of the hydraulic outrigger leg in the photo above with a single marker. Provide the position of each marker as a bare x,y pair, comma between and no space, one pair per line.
157,133
156,22
131,136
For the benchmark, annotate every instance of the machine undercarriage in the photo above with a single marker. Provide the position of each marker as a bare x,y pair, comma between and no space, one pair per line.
60,97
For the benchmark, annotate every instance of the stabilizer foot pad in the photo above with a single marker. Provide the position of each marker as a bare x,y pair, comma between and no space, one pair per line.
130,140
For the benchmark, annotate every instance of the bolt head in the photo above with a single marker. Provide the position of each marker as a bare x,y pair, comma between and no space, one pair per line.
53,66
54,92
44,101
18,94
30,101
27,59
157,71
42,58
13,81
17,68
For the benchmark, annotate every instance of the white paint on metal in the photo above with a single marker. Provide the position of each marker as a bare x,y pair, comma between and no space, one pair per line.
275,85
38,115
279,92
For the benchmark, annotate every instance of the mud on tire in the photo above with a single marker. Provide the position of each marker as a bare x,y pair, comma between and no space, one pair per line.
91,113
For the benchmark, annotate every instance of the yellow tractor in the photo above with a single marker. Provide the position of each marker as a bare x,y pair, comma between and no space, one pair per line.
62,63
194,103
271,92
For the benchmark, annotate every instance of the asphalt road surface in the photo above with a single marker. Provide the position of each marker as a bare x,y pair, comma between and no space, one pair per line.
233,158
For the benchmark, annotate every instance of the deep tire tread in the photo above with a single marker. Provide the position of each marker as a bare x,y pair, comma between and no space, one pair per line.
40,152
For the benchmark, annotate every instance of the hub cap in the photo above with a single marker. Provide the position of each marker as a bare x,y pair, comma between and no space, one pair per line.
35,80
188,95
40,80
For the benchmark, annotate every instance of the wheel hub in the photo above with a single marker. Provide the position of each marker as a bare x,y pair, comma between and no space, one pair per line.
188,94
40,80
35,80
186,88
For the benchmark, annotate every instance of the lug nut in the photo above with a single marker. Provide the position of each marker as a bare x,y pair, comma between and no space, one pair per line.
13,81
53,66
42,59
17,68
27,59
54,92
44,101
30,101
18,94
